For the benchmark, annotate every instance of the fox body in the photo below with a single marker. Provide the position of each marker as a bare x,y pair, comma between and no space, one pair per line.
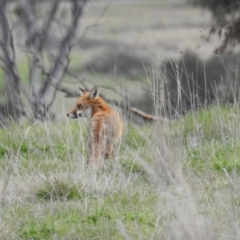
105,126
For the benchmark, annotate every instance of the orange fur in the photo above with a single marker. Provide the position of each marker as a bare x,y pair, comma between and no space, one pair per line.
105,126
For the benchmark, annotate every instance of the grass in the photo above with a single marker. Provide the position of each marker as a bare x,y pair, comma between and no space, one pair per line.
88,224
211,137
47,193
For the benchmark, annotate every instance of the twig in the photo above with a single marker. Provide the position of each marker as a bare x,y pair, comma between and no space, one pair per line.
95,24
86,30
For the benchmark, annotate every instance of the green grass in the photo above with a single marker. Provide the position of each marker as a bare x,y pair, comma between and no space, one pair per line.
49,194
97,219
217,157
211,138
216,122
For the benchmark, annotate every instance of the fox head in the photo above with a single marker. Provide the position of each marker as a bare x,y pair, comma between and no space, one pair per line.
85,104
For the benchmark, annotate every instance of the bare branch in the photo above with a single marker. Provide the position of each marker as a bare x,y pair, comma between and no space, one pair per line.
68,93
47,24
95,24
87,29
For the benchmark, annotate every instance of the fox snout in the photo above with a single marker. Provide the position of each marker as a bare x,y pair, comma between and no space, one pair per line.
75,114
72,114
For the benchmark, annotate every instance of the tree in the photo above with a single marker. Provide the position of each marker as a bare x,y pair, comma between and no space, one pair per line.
43,80
226,24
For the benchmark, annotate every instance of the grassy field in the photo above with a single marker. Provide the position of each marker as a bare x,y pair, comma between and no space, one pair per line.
177,180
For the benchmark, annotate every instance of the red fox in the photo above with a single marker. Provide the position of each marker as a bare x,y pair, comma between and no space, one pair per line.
105,125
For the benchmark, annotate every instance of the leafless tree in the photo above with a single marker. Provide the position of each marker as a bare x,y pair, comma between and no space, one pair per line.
43,81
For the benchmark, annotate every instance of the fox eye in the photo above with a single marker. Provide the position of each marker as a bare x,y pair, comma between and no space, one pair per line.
79,106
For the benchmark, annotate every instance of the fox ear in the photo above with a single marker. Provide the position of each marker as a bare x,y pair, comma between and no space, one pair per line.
81,91
93,93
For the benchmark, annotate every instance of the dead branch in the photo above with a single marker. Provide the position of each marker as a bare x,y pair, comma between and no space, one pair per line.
147,116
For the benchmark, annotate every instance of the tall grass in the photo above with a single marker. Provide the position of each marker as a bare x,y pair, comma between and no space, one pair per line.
170,180
196,165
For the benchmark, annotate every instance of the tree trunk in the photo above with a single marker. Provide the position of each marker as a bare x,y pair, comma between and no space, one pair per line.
14,103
